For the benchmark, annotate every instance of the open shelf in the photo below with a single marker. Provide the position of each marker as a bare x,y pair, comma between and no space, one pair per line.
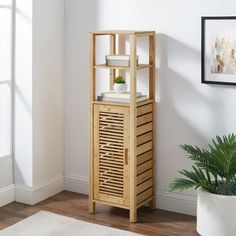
140,66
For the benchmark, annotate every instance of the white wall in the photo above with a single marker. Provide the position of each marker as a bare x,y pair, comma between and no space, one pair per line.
39,99
188,111
23,162
80,19
48,90
6,171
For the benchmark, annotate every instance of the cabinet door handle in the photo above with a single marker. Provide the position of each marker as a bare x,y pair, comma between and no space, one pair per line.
126,156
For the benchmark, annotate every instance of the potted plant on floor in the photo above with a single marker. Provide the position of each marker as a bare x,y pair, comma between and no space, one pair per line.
214,176
120,85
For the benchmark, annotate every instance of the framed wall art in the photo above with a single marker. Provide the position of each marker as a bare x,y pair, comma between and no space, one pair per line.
219,50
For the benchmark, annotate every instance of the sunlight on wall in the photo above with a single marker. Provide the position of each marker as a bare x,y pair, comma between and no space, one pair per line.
5,77
23,92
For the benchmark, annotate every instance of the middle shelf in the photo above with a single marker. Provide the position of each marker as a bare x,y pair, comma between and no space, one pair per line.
139,66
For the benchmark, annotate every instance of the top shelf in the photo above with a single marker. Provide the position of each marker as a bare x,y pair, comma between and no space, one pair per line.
138,33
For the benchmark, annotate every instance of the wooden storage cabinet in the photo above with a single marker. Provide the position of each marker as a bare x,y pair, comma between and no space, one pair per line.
122,135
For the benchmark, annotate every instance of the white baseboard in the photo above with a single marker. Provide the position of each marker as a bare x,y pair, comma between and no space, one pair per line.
76,184
176,202
169,201
31,196
7,195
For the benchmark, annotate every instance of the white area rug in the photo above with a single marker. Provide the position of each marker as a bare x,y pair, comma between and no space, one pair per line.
49,224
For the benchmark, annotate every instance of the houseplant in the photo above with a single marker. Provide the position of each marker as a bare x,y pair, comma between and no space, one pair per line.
120,85
214,175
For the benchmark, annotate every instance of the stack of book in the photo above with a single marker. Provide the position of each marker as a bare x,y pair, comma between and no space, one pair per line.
112,96
118,60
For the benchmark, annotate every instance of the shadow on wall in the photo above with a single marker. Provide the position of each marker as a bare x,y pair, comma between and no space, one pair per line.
76,83
186,113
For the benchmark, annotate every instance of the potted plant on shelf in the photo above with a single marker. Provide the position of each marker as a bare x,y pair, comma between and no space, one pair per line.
120,85
214,175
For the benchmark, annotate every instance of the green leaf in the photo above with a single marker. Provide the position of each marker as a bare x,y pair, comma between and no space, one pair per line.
214,169
180,184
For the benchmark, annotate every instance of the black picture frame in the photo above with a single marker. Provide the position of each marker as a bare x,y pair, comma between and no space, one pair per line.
204,19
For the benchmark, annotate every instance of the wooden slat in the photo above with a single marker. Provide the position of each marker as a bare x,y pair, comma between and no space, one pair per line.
145,102
144,128
107,164
111,155
144,157
112,180
106,111
148,200
111,197
144,148
106,167
144,138
111,159
108,173
111,139
112,124
112,203
144,167
114,187
110,134
144,119
144,195
110,148
144,176
110,119
143,186
144,110
110,144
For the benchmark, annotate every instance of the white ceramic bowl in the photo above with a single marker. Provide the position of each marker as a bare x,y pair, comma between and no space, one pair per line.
120,88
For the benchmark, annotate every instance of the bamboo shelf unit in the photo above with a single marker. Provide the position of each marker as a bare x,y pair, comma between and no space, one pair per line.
122,135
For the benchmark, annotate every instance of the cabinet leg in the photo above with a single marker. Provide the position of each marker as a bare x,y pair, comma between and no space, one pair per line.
152,204
133,215
91,207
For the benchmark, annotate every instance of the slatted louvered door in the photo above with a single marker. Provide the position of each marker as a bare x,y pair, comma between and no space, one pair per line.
111,143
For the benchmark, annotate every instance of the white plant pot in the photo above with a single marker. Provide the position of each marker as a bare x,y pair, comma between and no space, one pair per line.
216,214
120,88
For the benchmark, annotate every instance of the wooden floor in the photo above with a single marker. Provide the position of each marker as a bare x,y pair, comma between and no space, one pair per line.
150,222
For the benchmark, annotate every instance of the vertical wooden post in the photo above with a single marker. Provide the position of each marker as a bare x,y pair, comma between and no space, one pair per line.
152,69
121,49
92,95
133,126
112,52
